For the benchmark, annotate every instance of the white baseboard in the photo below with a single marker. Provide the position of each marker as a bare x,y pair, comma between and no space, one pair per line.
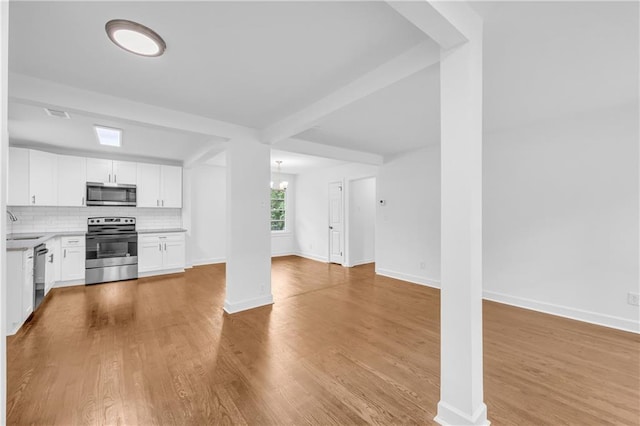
282,254
565,311
429,282
244,305
163,272
360,262
208,261
61,284
311,256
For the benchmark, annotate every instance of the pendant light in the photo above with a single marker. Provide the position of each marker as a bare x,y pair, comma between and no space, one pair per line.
278,183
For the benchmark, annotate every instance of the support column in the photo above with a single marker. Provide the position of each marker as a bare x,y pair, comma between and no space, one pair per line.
248,266
461,381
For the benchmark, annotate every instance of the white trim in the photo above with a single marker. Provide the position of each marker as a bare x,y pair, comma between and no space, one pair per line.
62,284
162,272
415,279
244,305
311,256
360,262
208,261
565,311
283,253
449,415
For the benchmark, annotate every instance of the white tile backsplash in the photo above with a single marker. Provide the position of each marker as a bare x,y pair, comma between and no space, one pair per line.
53,219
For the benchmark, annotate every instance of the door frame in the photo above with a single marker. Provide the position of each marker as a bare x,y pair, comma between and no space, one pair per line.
346,193
343,230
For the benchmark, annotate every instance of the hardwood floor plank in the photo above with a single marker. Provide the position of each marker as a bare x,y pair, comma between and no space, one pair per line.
340,346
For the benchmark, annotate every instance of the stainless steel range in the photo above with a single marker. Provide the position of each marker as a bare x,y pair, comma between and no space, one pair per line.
112,249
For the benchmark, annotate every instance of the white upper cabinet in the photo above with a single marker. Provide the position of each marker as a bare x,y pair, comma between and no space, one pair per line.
159,186
18,184
43,178
171,186
111,171
71,181
124,172
148,190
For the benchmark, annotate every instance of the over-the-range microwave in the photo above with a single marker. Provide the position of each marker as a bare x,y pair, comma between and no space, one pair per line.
111,194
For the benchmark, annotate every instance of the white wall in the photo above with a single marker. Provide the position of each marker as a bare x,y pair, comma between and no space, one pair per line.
561,216
362,221
204,216
408,225
312,209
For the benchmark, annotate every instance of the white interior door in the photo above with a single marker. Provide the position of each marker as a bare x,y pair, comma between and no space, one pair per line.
336,223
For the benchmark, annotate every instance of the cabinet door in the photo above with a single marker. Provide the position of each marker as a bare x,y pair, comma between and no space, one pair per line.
125,172
18,184
43,177
150,252
72,264
27,285
99,170
174,253
148,185
50,268
72,178
171,187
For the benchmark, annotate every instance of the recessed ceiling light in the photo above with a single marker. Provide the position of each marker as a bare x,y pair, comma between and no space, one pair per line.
135,38
109,136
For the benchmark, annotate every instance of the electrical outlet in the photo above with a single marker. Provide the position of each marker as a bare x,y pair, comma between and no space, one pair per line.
633,299
423,265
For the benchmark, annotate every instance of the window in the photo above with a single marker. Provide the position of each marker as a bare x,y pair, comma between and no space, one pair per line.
278,207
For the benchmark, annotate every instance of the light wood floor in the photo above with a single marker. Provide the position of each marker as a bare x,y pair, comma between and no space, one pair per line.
339,346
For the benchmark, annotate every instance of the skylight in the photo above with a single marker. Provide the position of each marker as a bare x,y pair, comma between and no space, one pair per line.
109,136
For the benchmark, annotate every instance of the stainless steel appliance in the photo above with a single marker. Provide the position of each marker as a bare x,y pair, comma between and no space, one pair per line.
111,249
111,194
39,267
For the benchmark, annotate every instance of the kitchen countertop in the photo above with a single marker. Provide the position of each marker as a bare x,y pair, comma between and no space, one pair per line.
44,236
160,231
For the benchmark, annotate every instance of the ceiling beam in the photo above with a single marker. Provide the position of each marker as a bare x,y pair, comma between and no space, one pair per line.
428,17
34,91
413,60
212,149
300,146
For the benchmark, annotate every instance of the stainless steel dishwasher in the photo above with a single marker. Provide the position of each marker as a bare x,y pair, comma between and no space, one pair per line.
39,267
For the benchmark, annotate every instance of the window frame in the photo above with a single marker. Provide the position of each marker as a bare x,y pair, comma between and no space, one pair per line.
285,209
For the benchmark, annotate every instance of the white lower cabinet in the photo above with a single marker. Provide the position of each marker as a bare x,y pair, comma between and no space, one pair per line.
160,253
19,288
51,265
72,258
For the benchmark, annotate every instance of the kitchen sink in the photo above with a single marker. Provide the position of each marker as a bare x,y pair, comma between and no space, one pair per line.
24,238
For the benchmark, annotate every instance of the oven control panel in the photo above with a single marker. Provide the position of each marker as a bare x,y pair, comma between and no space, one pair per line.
111,221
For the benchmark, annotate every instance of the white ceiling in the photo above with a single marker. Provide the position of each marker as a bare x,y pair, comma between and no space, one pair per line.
266,60
402,117
292,163
248,63
29,125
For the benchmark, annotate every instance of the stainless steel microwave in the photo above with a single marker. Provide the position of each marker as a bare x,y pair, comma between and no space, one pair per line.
111,194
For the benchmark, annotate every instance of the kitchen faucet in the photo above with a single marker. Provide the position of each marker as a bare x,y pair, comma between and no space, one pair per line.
12,216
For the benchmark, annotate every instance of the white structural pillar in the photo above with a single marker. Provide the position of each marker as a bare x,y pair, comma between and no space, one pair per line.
461,381
248,266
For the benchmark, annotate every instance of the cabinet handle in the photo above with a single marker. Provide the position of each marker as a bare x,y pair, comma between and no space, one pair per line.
157,203
64,254
162,203
33,199
115,178
165,246
51,258
83,201
159,247
72,241
109,177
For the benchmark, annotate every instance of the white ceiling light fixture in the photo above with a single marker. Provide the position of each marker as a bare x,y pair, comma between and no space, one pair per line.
278,183
135,38
109,136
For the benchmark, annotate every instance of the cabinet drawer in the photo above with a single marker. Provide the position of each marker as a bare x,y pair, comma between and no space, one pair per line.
72,241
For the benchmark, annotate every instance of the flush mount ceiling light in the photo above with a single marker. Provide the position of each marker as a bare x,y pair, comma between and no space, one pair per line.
109,136
278,183
135,38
